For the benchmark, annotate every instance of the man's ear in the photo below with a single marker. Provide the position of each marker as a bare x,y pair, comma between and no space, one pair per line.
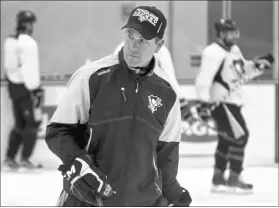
159,45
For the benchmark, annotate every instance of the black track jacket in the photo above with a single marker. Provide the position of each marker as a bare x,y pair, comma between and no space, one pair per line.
134,128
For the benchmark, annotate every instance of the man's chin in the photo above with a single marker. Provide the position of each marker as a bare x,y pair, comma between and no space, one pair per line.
133,64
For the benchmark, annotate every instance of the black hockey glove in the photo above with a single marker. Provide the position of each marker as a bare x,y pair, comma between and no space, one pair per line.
85,181
204,110
184,201
185,109
38,97
264,62
196,109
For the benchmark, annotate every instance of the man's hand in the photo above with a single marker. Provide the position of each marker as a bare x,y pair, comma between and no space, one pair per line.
85,181
38,96
196,109
184,201
184,108
264,62
204,109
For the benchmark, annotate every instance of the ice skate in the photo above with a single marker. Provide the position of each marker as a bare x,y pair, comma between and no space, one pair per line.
219,183
27,165
10,165
238,186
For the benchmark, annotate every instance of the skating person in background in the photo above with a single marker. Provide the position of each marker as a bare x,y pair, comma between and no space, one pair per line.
222,73
21,65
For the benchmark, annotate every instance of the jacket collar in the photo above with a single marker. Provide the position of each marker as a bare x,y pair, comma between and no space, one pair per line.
226,48
138,72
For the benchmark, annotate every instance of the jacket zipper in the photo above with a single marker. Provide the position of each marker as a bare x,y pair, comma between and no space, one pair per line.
137,88
131,131
123,93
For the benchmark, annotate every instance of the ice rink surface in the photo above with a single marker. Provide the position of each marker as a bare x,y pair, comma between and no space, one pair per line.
43,189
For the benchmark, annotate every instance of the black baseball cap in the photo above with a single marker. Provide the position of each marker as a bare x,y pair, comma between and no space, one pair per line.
149,21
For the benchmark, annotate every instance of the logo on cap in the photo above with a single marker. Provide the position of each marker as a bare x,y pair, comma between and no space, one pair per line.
145,15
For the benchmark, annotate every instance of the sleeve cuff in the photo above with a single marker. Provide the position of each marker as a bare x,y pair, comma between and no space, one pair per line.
172,192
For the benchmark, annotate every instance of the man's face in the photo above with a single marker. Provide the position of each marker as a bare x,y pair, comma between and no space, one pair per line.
137,50
230,37
29,27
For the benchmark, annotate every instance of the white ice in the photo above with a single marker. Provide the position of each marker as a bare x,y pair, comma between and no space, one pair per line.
43,189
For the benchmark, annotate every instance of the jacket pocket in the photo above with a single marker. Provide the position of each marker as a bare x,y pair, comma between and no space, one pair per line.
157,180
151,189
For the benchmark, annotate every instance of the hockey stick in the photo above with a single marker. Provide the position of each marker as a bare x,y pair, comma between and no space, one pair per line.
204,123
194,110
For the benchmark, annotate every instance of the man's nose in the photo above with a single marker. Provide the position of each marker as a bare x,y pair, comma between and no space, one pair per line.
135,45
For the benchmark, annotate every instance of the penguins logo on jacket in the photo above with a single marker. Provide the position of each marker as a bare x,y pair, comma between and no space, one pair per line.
154,103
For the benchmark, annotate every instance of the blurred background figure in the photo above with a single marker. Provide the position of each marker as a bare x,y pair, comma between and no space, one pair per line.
21,67
222,74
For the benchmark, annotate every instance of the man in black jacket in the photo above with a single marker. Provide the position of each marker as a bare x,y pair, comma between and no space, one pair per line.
118,127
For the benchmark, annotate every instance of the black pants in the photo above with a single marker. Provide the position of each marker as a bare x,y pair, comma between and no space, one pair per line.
25,128
230,150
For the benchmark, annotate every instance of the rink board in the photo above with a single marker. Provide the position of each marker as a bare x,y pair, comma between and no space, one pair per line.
198,141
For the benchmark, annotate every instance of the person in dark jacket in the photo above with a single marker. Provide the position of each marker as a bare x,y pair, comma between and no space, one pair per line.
118,127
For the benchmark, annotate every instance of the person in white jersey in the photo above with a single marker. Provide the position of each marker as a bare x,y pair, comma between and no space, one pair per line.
21,65
219,80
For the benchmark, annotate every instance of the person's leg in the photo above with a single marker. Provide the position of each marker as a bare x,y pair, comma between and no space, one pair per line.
29,133
15,137
221,153
237,153
221,161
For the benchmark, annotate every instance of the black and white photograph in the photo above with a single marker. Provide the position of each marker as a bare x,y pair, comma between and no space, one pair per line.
139,103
